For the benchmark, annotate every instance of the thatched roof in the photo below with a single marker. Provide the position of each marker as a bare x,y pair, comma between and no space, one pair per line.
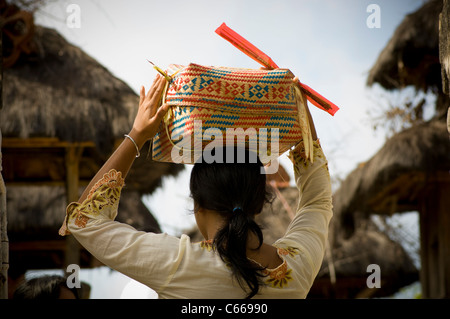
412,55
349,263
391,181
349,258
57,97
59,91
37,212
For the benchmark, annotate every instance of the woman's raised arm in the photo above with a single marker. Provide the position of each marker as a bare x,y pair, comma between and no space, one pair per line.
145,126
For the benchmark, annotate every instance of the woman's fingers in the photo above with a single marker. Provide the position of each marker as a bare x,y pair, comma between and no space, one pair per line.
151,88
161,112
154,98
149,102
142,95
154,95
154,86
159,89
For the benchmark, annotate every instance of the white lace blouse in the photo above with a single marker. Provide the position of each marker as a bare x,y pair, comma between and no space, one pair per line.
178,268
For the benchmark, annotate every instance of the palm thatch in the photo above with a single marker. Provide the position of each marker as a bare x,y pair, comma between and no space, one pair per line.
59,91
343,273
35,215
37,212
392,180
411,56
55,98
411,171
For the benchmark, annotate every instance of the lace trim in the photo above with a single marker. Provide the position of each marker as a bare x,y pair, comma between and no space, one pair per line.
113,179
208,245
105,193
280,276
300,160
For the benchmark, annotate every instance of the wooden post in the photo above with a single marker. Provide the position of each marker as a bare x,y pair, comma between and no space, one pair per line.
4,244
73,155
444,57
444,51
434,214
435,239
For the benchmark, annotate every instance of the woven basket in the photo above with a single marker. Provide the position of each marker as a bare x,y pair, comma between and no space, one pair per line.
206,101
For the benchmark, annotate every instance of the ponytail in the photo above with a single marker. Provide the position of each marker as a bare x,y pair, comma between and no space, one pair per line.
230,242
238,192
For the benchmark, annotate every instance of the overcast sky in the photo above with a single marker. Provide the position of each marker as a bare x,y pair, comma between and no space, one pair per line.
327,44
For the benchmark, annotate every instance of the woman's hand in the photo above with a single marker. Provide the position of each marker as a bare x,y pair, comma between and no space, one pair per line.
149,116
145,126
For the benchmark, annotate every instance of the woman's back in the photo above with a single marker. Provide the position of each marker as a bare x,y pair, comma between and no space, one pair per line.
177,268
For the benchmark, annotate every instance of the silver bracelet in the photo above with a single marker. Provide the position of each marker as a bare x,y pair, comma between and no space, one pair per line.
137,148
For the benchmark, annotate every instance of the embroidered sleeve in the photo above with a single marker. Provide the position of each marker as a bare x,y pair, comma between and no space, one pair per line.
308,231
300,161
103,200
312,178
149,258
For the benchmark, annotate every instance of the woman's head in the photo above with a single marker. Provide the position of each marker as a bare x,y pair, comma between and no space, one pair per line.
236,190
236,181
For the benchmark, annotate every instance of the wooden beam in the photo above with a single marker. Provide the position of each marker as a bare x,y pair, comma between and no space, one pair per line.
52,245
42,142
386,200
45,182
39,166
403,193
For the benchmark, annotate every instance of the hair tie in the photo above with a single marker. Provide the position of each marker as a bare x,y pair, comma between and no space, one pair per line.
237,208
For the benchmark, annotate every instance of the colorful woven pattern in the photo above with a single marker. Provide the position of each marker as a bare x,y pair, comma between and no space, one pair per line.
223,98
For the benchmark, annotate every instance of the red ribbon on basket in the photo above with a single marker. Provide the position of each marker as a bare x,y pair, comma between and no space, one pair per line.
253,52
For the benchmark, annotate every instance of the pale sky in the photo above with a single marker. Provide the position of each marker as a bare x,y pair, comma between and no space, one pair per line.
326,43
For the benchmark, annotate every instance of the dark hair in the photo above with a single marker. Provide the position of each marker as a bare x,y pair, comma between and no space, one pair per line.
44,287
222,186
